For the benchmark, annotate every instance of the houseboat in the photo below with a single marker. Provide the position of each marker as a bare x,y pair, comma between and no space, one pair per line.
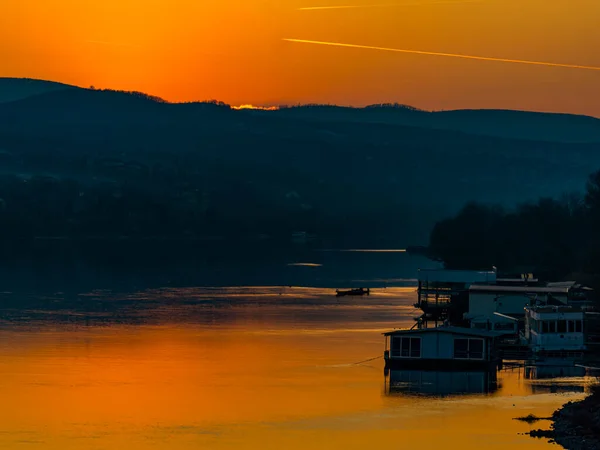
492,306
443,348
555,331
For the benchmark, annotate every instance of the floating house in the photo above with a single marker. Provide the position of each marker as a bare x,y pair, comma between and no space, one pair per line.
507,315
555,331
499,307
441,348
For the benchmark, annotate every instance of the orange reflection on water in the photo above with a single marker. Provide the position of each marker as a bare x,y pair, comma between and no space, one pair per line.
253,384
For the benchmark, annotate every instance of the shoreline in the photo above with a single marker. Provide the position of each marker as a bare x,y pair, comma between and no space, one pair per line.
576,425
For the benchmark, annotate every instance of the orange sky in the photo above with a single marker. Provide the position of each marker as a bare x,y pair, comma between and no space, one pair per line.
233,50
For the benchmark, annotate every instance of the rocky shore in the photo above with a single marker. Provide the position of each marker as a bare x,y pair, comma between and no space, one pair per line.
576,426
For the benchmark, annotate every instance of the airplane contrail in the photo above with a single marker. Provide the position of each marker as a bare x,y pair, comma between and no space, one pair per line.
451,55
385,5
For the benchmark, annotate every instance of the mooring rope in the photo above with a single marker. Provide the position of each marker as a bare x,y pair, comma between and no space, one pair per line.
367,360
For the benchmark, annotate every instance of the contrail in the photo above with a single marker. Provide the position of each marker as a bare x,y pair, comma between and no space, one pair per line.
451,55
385,5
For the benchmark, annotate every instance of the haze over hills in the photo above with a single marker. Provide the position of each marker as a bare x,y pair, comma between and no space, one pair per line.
79,162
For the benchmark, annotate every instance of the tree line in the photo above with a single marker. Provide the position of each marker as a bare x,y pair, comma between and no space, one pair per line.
553,236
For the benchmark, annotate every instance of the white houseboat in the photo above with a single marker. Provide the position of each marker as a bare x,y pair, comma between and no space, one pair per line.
492,306
555,331
441,348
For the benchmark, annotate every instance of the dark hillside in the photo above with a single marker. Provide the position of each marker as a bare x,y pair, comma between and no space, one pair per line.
498,123
106,162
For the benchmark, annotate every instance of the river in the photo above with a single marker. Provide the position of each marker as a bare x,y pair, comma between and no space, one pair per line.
224,367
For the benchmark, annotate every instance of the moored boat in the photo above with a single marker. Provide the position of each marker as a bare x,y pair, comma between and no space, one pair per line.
359,291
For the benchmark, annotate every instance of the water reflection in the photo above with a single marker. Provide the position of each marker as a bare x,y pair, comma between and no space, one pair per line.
558,378
438,383
531,379
230,368
540,372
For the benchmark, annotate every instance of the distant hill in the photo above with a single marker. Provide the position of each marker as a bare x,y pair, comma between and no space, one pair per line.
12,89
93,162
500,123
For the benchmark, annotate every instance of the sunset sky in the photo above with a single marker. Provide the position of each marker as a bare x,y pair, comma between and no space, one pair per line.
234,50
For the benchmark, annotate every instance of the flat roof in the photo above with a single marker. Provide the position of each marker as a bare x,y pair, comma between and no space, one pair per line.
517,280
448,330
555,309
519,289
561,283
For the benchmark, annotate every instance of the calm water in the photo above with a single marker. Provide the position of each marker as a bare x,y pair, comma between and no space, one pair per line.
237,368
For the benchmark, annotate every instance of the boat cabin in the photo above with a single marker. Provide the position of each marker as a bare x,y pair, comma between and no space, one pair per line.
485,300
555,330
502,324
441,348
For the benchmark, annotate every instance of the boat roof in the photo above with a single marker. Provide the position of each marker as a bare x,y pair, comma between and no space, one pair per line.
520,289
554,309
449,330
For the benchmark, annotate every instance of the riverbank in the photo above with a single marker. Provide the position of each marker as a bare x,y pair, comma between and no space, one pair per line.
576,426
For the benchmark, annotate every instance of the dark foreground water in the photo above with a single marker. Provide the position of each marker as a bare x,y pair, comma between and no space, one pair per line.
184,367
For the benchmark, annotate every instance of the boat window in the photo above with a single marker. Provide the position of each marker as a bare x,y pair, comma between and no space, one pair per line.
551,326
468,348
544,326
461,348
561,326
406,347
570,326
415,347
476,348
578,327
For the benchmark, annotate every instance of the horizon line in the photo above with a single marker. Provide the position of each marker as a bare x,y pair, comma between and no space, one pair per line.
306,104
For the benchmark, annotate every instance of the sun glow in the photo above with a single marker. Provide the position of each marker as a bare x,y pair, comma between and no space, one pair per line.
262,108
232,51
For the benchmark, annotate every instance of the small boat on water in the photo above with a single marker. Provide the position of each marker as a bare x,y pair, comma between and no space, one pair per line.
359,292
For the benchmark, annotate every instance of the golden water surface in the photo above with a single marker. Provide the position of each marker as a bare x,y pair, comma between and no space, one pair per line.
262,369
